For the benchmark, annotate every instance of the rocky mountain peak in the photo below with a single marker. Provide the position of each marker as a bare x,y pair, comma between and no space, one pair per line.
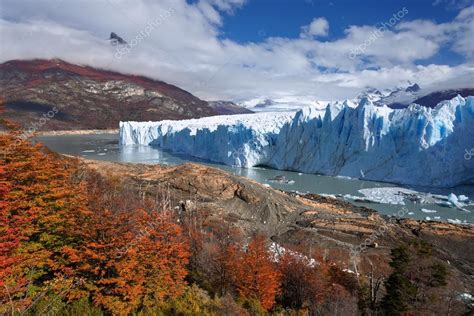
116,40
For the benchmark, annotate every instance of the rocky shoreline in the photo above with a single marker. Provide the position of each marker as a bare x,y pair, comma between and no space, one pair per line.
357,238
78,132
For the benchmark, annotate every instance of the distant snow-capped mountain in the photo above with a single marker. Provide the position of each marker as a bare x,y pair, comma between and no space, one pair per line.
285,104
402,97
398,97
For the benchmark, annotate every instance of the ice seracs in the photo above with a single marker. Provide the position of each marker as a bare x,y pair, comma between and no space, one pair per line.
243,140
415,145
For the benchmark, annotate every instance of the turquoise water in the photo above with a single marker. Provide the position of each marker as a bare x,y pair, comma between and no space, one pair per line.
106,147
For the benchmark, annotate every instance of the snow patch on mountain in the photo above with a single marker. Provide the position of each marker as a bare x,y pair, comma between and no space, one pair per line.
282,104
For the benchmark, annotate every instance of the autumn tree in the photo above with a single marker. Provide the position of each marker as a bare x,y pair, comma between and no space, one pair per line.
134,258
9,237
303,282
42,213
81,237
256,276
215,250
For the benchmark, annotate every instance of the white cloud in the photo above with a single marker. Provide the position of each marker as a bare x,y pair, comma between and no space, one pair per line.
463,42
457,34
209,12
226,5
187,49
318,27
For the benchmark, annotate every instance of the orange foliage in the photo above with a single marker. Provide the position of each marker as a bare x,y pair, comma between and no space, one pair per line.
256,275
54,230
138,258
9,234
44,213
221,263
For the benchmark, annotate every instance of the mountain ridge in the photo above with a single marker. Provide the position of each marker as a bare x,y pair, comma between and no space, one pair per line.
90,98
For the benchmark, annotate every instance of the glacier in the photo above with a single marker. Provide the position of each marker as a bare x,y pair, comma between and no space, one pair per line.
414,146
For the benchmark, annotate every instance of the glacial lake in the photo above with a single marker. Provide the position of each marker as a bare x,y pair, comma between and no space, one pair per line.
106,147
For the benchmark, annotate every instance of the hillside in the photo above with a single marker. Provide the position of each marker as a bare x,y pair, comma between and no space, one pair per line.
433,98
313,224
228,107
82,97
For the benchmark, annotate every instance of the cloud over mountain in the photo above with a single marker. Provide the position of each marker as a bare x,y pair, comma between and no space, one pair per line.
182,42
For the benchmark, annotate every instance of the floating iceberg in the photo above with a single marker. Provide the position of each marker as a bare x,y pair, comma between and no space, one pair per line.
416,145
454,221
453,199
388,195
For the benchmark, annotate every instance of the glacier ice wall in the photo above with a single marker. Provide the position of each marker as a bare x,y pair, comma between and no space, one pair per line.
241,140
416,145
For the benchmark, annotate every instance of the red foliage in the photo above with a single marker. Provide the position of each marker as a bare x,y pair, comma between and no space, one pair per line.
41,214
55,231
138,259
256,275
304,283
9,234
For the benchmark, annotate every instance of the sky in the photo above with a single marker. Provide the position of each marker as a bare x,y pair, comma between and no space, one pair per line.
241,50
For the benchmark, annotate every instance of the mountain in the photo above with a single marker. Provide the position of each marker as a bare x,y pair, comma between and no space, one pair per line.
115,39
269,105
228,108
400,98
372,94
396,98
82,97
416,145
413,88
265,103
433,98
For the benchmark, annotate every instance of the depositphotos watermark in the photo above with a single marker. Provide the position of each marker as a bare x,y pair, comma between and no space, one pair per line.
123,50
240,152
379,232
378,33
34,126
469,154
